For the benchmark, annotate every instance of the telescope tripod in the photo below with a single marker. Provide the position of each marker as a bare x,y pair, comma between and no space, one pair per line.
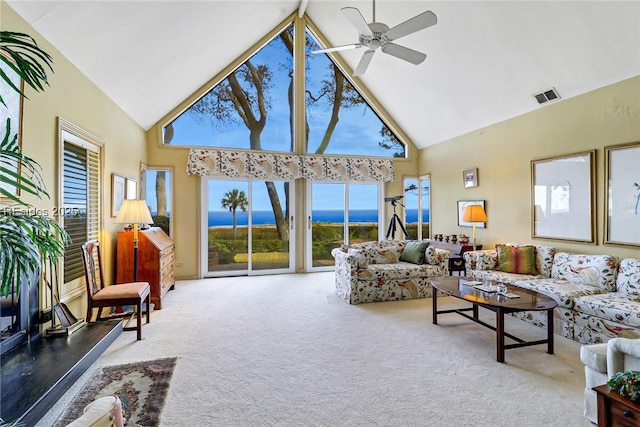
396,221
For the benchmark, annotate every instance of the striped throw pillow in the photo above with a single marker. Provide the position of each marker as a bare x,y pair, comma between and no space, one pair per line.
516,259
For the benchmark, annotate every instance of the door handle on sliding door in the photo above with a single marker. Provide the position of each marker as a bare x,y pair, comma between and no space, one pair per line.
309,222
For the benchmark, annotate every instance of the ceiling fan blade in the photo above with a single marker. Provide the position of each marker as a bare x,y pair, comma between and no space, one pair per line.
337,48
364,62
355,17
417,23
404,53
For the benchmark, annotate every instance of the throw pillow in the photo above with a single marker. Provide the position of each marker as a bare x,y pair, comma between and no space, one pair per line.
516,259
413,252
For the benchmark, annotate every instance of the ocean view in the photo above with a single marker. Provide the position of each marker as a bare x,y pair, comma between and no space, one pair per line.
225,219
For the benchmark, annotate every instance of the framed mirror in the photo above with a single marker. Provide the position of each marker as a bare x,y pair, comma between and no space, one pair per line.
563,197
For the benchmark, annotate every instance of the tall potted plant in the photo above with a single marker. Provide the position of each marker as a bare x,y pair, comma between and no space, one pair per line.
26,237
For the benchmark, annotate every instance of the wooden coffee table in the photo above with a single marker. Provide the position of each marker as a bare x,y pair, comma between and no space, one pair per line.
528,301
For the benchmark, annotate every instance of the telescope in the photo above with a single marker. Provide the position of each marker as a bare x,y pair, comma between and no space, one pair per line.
395,219
393,199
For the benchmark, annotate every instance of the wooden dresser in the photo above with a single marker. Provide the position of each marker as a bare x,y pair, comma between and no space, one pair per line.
615,410
156,258
456,262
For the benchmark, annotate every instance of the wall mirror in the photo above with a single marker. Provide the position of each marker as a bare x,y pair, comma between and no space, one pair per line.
562,197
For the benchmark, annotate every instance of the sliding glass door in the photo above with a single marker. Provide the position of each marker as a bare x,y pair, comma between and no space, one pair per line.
248,227
341,213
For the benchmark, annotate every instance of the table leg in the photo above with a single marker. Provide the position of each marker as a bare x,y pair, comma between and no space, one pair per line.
475,311
550,331
500,335
434,305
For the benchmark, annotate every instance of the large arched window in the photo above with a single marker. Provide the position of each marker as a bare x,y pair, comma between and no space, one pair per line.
253,106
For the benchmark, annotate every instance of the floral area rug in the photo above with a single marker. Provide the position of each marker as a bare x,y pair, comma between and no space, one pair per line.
141,386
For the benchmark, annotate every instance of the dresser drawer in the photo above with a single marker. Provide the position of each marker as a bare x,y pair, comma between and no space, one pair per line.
623,415
167,260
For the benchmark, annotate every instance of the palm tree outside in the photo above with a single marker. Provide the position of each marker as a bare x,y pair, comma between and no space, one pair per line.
233,200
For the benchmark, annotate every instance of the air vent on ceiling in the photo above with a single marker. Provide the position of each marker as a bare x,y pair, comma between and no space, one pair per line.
546,96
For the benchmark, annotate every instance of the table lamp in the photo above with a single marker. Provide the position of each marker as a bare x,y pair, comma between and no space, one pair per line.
474,214
134,212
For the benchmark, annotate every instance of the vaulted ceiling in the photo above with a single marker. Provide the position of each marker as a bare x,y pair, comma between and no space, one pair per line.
485,59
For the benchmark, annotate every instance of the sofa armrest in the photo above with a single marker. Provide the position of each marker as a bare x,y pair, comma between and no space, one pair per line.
623,354
439,257
480,260
346,261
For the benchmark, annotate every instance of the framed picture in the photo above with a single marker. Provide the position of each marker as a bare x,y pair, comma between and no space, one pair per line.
622,195
463,204
470,178
563,197
132,189
12,111
118,190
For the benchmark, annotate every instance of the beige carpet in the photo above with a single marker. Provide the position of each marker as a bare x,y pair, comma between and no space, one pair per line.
285,351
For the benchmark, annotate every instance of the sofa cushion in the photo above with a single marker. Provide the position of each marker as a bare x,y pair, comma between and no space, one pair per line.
516,259
374,254
593,270
399,271
628,280
563,291
413,252
615,306
501,276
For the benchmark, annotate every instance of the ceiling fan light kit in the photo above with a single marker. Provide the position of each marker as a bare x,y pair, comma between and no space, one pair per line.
376,35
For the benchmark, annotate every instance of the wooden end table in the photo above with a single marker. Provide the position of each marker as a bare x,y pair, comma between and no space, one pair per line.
615,410
528,300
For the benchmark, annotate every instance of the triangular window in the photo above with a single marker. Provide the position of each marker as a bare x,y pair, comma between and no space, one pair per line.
252,108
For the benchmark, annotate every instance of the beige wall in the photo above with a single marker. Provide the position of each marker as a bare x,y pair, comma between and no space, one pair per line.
74,97
503,152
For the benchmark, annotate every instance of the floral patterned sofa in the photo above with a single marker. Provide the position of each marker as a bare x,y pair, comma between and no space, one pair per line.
597,295
373,272
600,317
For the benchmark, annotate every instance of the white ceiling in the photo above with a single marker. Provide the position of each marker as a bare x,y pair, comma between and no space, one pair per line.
485,59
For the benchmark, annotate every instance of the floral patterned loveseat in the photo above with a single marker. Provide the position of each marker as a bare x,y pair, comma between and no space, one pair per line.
372,272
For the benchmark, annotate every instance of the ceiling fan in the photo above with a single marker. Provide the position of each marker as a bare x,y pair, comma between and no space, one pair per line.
376,35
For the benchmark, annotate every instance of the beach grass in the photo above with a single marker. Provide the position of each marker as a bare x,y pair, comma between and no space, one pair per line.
269,257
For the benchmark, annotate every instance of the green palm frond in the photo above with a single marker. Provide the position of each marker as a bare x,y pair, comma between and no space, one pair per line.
26,237
22,54
17,170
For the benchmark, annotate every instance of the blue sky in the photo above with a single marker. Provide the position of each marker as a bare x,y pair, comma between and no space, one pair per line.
357,131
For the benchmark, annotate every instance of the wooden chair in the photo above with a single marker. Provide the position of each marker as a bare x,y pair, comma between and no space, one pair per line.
100,296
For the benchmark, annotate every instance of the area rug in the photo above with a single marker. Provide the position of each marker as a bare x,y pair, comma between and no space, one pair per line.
141,386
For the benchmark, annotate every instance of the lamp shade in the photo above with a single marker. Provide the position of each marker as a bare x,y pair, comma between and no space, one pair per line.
474,213
134,212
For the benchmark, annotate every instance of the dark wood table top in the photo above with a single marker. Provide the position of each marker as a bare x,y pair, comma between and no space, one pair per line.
528,300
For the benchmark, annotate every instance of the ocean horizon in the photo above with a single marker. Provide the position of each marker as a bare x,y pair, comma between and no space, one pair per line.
361,216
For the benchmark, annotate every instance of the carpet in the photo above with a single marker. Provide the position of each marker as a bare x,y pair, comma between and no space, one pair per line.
284,350
141,386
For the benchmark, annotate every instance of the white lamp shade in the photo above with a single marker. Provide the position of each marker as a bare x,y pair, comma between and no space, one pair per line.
134,212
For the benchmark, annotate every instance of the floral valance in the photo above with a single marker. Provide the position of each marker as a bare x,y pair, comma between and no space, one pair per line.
271,166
